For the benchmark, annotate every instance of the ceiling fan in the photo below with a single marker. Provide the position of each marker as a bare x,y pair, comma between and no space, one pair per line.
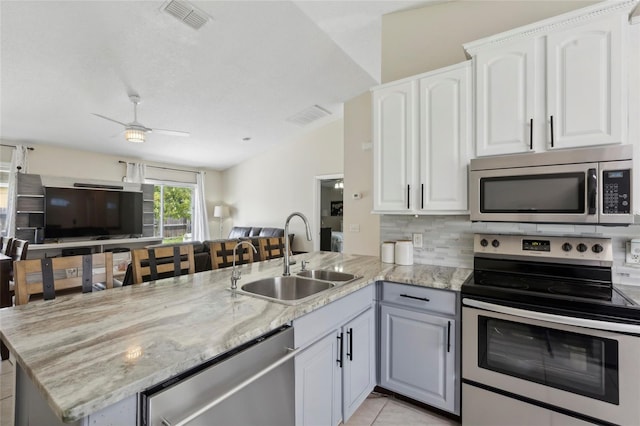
135,131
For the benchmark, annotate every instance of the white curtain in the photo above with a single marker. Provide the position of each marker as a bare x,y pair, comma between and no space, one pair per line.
18,165
135,173
200,220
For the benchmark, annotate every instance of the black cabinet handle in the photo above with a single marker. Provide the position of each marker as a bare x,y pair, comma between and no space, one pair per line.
592,185
551,124
422,195
531,134
449,336
339,360
408,195
424,299
350,349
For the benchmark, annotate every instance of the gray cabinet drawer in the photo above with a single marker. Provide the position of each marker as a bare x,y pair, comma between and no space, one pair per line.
428,299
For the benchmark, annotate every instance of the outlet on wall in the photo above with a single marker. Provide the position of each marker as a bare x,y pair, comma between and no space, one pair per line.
633,252
417,240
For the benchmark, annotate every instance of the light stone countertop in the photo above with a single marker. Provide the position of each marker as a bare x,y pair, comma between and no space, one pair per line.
88,351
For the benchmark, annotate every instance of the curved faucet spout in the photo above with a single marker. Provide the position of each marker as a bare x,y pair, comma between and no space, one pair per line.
235,274
287,263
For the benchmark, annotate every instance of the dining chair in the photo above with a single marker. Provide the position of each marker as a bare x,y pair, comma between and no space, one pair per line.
51,275
152,263
5,244
271,248
19,249
222,253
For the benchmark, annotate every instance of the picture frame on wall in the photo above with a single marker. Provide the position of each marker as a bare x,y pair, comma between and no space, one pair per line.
336,208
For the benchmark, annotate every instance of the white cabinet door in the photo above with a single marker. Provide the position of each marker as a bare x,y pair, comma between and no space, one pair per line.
505,98
585,84
359,362
393,146
444,147
318,384
418,356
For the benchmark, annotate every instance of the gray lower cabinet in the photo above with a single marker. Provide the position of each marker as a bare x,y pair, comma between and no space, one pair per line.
336,371
418,335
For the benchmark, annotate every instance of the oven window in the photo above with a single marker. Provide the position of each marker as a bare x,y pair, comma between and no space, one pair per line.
577,363
548,193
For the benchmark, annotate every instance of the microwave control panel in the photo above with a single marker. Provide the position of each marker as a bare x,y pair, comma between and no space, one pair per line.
616,191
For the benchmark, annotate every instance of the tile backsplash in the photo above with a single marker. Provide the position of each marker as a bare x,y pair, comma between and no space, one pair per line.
448,240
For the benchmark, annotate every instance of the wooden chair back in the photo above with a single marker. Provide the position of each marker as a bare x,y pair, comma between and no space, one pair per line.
152,263
222,253
19,249
271,248
48,276
5,243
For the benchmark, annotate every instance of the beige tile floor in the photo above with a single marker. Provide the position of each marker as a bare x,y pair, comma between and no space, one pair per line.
383,410
377,410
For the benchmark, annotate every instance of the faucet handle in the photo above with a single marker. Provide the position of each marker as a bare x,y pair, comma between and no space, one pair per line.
304,264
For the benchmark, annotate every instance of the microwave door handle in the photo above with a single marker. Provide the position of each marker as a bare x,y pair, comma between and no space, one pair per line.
592,185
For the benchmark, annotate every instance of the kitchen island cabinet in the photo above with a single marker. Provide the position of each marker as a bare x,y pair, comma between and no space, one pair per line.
336,372
90,353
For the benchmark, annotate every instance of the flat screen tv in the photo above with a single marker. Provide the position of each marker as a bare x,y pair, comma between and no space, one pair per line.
84,212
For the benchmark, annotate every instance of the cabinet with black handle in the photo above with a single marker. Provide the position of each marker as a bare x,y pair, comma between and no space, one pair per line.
418,344
336,370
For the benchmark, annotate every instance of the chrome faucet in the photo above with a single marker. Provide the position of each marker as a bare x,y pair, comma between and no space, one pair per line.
235,274
287,264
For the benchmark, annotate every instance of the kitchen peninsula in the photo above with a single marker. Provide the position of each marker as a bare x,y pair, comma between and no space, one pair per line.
85,353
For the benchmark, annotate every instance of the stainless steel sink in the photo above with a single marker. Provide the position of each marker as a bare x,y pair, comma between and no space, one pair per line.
327,275
286,288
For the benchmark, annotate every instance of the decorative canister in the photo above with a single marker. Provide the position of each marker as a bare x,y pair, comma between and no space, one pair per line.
387,252
404,252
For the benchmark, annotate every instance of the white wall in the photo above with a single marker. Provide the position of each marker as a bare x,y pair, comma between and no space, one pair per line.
265,189
51,160
358,178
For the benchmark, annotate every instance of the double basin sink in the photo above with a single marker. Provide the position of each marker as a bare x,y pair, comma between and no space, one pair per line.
294,288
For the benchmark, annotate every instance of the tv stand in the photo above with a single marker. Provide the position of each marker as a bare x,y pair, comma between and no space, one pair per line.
37,251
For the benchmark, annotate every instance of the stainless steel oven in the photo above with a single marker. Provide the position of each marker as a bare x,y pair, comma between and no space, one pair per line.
574,186
546,337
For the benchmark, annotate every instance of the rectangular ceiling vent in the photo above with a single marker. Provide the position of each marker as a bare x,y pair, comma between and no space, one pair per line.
309,115
187,13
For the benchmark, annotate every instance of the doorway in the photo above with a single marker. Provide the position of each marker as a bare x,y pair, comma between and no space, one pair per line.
329,212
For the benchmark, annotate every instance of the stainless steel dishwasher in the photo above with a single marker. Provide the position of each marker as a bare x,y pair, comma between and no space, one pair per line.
250,385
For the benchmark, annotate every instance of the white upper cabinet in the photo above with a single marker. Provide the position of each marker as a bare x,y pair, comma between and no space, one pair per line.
394,112
422,142
585,84
505,95
445,140
558,83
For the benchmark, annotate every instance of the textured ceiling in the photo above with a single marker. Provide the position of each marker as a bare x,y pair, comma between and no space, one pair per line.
252,66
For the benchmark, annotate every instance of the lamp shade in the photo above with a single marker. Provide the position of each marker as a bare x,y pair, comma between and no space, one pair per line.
221,211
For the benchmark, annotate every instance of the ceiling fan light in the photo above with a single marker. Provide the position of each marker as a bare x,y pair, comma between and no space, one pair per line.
133,135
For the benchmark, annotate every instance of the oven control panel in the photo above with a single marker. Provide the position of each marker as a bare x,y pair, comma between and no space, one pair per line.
571,248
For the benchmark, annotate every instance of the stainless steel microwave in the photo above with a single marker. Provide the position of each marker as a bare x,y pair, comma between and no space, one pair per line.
589,186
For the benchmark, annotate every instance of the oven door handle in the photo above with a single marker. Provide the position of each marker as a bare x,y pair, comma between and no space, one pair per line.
559,319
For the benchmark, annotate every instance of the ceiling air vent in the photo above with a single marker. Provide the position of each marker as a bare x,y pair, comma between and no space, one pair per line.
186,13
309,115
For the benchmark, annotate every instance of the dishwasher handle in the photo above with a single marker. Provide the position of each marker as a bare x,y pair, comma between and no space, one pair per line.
292,353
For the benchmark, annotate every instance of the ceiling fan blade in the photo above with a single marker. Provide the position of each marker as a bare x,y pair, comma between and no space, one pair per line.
110,119
170,132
